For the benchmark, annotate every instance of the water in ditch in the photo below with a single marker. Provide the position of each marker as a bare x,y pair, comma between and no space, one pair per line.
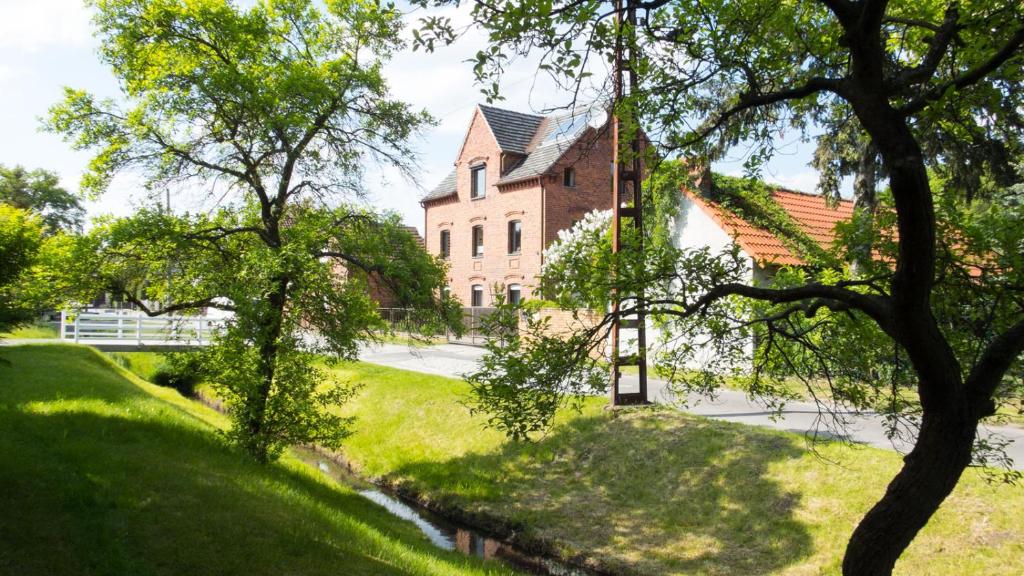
442,532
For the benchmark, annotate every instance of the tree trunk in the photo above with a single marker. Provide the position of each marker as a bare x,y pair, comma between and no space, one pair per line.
929,474
258,445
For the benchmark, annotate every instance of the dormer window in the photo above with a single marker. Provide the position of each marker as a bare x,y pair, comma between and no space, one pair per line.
478,181
569,177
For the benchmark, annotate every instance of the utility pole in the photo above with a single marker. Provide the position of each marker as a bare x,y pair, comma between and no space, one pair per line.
626,178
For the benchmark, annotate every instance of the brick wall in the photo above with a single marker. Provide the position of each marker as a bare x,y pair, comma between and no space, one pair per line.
544,208
493,212
565,322
591,157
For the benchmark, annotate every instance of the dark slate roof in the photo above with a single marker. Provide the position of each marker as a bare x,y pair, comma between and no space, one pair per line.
444,189
513,130
416,235
542,140
558,134
538,162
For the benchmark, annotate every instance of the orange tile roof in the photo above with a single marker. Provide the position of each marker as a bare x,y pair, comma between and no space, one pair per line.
809,211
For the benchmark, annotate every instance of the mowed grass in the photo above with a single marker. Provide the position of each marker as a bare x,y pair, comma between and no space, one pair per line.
32,332
655,491
142,364
105,474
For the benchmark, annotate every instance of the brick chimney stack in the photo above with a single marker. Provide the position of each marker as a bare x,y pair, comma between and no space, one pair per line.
700,174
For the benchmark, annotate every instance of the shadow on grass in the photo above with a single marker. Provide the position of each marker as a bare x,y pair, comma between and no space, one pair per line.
147,493
648,491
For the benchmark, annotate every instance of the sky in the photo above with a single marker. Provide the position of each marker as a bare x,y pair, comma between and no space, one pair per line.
46,45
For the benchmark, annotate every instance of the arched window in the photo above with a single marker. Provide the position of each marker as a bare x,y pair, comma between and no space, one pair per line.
478,241
476,297
515,236
478,181
446,244
515,293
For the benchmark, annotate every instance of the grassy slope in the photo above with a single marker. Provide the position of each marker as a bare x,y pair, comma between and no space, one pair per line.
32,331
659,492
104,474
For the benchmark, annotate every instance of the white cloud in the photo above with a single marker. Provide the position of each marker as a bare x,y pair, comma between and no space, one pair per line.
33,24
8,74
799,181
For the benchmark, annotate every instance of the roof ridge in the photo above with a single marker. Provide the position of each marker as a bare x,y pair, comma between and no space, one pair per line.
777,188
510,111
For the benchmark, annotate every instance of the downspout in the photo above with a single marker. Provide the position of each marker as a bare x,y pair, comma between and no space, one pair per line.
544,219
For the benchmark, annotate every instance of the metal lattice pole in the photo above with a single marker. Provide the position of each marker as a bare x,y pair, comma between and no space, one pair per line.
626,179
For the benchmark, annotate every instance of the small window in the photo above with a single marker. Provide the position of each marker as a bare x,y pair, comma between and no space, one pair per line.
569,177
514,293
478,178
515,237
446,244
478,241
476,298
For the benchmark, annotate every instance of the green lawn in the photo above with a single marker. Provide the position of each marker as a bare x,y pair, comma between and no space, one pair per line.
32,331
104,474
142,364
654,491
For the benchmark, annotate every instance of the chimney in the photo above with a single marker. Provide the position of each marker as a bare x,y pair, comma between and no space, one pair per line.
700,175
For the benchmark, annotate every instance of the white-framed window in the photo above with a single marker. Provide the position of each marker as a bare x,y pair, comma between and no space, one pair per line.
476,296
569,177
478,241
515,293
446,244
478,181
515,236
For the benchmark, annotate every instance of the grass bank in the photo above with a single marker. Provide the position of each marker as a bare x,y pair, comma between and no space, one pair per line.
40,331
655,491
105,474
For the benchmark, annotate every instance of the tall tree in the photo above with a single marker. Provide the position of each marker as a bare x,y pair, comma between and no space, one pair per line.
917,80
40,191
276,108
20,238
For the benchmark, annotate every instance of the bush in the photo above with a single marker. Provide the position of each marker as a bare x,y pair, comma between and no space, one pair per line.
180,371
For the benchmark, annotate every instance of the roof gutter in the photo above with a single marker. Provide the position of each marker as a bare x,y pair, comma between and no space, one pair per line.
522,179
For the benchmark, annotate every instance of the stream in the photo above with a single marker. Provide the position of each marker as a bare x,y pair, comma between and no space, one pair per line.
442,532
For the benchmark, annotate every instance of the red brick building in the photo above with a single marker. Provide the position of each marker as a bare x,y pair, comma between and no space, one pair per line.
518,180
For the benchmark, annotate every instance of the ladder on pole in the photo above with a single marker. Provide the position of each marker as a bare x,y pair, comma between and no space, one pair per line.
626,179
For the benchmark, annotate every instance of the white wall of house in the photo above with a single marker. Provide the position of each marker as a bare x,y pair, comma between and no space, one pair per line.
693,228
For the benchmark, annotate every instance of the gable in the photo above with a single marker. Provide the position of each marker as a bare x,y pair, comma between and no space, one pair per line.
513,131
810,212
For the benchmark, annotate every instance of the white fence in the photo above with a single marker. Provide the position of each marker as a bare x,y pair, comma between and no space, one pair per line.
133,328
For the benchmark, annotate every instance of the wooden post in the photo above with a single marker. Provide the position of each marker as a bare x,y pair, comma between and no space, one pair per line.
138,329
626,179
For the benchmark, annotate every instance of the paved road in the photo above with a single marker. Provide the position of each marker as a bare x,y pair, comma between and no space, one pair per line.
801,417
